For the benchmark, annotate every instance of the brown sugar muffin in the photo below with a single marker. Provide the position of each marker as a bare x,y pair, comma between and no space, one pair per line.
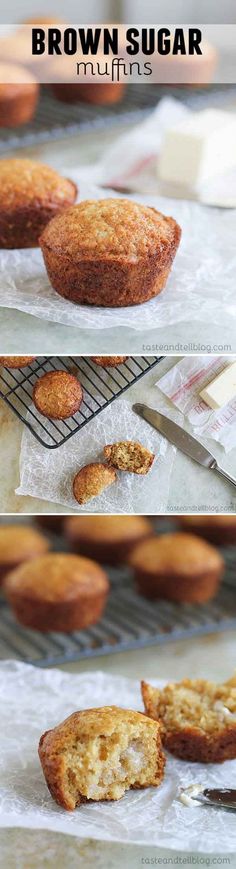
108,539
57,395
19,93
98,754
91,481
178,567
50,523
129,456
217,529
110,252
109,361
31,194
89,90
198,718
57,592
16,361
19,543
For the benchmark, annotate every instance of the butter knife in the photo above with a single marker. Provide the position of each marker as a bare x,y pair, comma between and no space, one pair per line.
181,439
220,797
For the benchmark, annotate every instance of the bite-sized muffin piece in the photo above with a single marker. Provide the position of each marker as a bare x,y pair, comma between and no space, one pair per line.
197,717
109,361
98,754
91,481
129,456
16,361
110,252
108,539
31,194
19,93
57,395
178,567
19,543
217,529
57,592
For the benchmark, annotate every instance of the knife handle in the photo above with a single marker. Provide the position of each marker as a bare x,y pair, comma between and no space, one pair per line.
224,474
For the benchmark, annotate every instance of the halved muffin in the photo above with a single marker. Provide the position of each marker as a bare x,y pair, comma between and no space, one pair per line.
197,717
129,456
98,754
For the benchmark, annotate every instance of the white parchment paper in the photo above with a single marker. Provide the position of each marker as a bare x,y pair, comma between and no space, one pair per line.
183,384
33,700
49,474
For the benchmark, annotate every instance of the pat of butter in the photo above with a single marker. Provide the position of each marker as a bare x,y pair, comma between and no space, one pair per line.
198,148
222,389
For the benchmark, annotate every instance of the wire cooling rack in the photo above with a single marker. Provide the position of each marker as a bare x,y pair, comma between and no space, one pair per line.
100,387
130,622
54,120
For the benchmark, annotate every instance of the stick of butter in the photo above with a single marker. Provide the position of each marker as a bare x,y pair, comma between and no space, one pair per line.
198,148
222,389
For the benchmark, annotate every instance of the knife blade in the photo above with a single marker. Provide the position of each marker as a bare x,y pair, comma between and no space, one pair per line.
220,797
181,439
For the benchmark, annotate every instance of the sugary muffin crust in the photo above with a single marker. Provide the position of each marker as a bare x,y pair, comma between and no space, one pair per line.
178,567
197,718
109,361
19,543
91,481
110,252
129,456
57,395
31,194
108,539
60,592
16,361
18,94
98,754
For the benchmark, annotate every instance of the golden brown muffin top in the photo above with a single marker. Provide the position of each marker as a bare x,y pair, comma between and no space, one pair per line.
209,521
115,229
107,529
19,542
177,553
57,577
12,76
108,361
57,394
25,182
16,361
95,722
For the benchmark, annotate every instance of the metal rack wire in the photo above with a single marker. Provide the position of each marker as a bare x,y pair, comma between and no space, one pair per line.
130,622
100,388
54,120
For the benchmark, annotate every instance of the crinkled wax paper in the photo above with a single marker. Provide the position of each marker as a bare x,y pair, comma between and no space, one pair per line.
32,701
201,285
183,384
49,474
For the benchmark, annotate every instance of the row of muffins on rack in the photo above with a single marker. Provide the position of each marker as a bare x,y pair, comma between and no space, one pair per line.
68,591
110,252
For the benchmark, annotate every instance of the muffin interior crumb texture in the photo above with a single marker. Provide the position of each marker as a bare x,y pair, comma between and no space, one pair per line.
103,765
129,456
193,703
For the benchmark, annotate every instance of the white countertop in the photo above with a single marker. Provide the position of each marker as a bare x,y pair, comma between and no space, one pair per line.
192,488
